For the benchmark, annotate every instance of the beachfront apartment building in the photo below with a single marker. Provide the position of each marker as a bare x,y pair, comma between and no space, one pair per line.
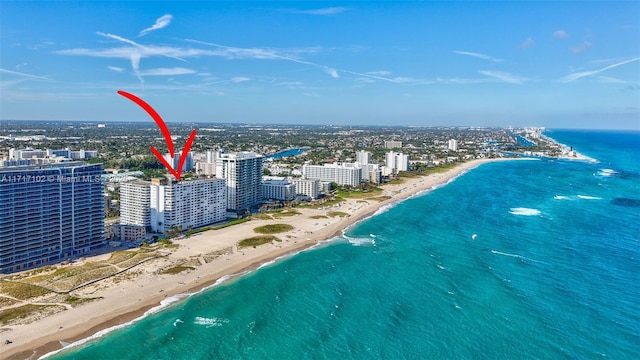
396,162
342,174
50,213
187,203
278,188
307,187
135,199
243,175
371,173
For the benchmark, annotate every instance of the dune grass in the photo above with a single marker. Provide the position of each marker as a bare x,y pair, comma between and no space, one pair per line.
257,240
273,228
176,269
337,213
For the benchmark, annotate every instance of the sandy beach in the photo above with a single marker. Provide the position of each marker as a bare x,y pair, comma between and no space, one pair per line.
124,301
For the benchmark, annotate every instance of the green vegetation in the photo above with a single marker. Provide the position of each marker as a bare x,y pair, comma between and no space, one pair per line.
359,194
7,316
5,301
75,301
334,201
22,291
380,198
277,214
257,240
273,228
230,223
261,217
316,217
337,213
176,269
120,256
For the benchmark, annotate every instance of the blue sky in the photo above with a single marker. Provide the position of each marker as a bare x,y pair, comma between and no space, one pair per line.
554,64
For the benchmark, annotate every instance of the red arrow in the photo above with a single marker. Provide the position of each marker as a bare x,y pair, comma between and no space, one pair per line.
167,136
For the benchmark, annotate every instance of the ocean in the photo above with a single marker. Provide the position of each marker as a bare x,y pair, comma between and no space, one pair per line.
512,260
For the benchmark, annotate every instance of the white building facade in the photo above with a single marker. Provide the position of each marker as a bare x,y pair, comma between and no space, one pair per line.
186,203
278,189
397,162
342,174
453,144
363,157
135,201
188,164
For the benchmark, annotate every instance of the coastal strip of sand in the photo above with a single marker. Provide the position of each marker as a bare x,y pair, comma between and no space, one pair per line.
124,301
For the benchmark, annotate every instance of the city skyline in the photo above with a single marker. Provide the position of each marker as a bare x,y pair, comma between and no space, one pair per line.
552,64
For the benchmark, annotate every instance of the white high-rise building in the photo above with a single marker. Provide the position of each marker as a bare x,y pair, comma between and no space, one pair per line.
208,167
342,174
134,203
188,164
397,162
278,188
307,187
453,144
186,203
371,173
363,157
243,174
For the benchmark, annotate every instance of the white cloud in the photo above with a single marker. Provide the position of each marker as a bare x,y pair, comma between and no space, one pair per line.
560,34
610,80
21,65
504,76
323,11
579,75
167,71
478,55
580,48
267,54
527,43
161,22
5,71
239,79
115,68
379,73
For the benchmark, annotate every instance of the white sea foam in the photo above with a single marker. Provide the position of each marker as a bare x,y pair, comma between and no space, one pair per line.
586,197
507,254
384,209
210,322
607,172
524,211
561,197
178,321
360,241
441,267
515,256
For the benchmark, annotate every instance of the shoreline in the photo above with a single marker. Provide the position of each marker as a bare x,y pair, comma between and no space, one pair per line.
118,307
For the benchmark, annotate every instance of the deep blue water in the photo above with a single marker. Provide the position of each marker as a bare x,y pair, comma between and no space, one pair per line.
553,271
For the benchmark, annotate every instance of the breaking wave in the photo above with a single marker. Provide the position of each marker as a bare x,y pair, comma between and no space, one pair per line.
524,211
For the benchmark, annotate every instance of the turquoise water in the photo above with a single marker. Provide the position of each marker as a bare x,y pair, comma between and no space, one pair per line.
553,272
